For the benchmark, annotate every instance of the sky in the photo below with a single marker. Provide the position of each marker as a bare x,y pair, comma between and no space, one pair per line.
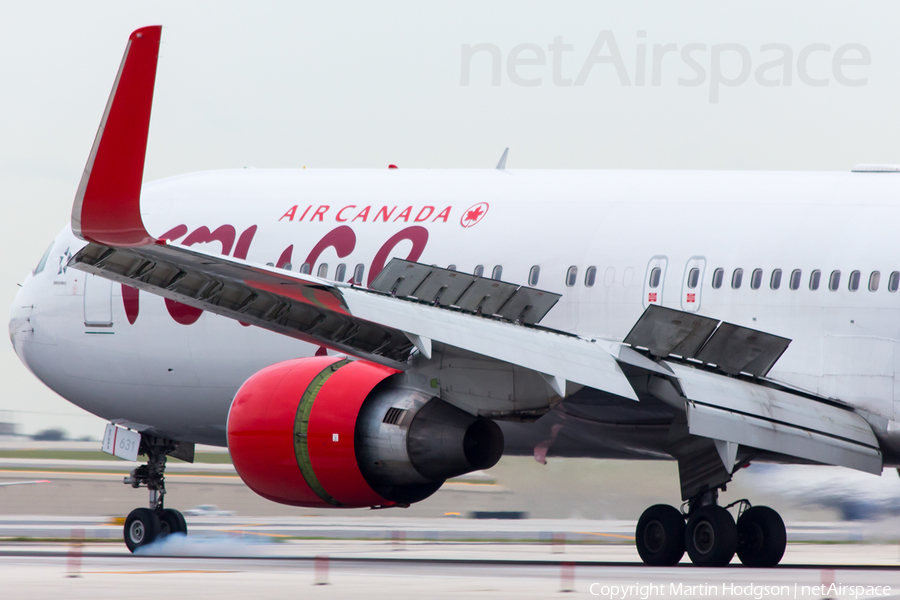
582,85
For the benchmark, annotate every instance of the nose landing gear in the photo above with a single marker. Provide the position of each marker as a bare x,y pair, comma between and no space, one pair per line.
143,526
710,535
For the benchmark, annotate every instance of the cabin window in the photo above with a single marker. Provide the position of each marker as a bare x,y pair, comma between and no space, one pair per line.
358,272
451,267
533,275
693,278
775,279
874,280
590,276
814,278
610,277
736,278
40,266
756,279
305,268
287,266
894,281
340,271
479,271
497,272
853,282
796,275
571,276
834,282
718,276
322,271
655,274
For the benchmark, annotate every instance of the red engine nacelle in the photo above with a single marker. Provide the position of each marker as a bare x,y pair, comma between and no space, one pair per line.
302,413
328,431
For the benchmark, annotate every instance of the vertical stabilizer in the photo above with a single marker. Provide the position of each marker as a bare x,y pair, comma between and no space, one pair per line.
107,205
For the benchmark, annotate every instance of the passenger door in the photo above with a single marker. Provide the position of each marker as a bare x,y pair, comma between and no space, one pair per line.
97,301
692,283
654,279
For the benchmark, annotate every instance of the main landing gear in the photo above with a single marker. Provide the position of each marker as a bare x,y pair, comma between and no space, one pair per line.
143,526
710,535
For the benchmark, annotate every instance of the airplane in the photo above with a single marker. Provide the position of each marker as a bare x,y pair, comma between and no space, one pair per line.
357,337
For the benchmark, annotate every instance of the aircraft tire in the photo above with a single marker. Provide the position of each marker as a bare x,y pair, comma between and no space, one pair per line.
141,528
171,521
761,537
659,536
711,536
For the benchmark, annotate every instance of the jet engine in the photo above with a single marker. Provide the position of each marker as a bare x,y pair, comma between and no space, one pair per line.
328,431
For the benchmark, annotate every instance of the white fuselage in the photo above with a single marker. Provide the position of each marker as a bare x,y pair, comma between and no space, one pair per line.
72,330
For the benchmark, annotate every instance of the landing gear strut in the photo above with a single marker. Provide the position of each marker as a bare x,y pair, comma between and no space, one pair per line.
145,525
710,535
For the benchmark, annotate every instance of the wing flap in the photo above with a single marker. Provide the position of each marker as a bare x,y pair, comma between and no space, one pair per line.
732,410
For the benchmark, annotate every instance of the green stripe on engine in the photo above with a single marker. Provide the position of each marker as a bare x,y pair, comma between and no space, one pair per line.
301,425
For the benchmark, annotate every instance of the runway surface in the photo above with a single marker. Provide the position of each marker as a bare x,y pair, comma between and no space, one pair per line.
233,568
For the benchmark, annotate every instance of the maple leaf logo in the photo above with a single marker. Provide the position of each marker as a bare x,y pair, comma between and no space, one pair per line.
474,214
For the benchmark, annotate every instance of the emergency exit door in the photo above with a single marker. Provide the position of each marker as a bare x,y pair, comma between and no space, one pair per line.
692,283
654,279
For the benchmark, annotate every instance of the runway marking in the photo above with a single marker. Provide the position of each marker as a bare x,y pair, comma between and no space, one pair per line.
164,572
113,473
275,535
612,535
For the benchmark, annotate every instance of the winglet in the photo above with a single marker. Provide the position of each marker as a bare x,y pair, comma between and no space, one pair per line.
107,205
501,166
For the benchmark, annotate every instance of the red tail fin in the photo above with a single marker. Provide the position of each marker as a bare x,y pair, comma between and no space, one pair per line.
107,205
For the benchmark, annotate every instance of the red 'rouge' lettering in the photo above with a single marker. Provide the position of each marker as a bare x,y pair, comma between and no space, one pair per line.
285,257
188,315
243,243
131,300
174,233
342,239
224,234
417,235
131,296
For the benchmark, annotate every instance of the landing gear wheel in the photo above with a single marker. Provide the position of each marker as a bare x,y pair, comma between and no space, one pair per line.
761,537
141,528
711,536
659,536
171,521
